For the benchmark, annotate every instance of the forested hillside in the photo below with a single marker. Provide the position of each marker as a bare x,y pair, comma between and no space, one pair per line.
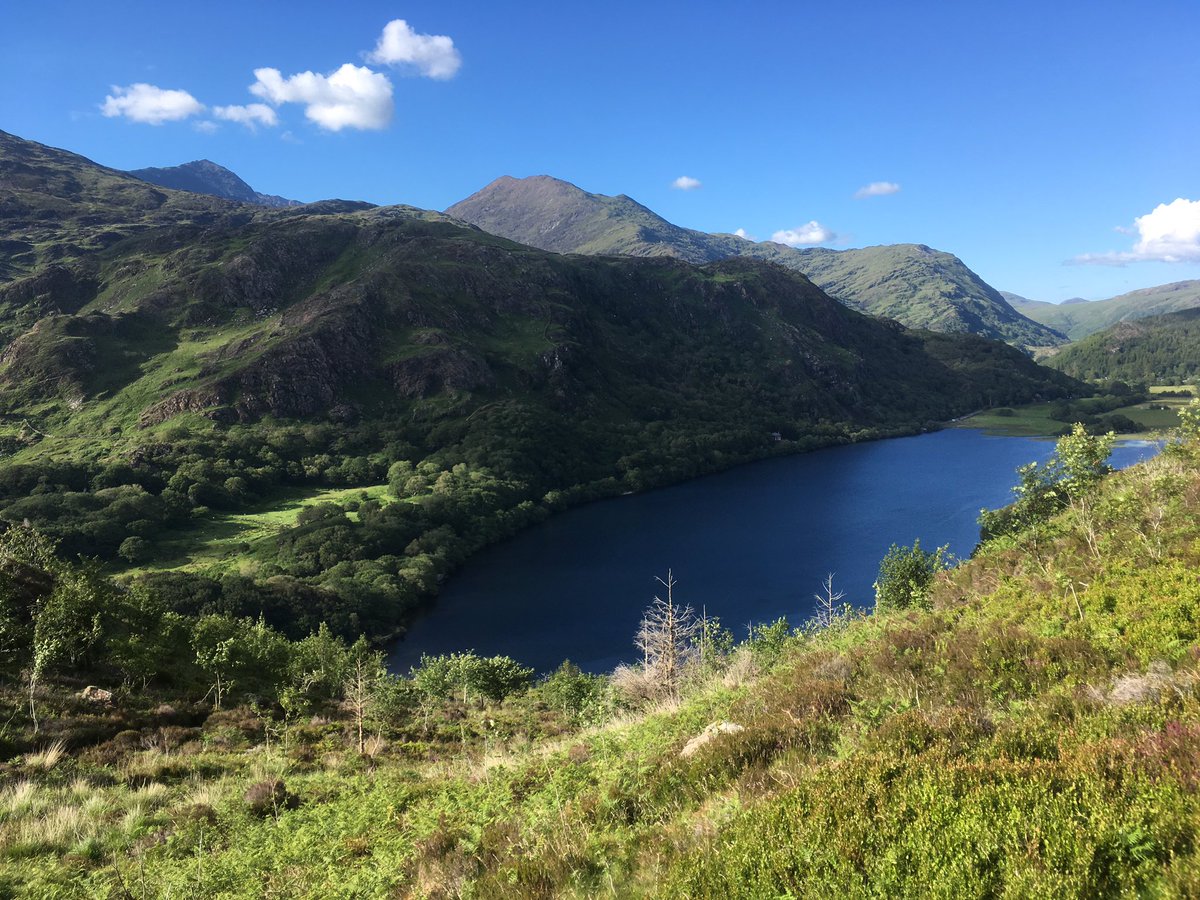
172,363
1156,350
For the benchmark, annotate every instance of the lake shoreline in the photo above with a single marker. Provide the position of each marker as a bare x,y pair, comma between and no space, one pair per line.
750,543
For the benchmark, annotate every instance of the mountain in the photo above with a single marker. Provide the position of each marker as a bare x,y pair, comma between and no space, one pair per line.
1077,318
917,286
209,357
1162,349
203,176
56,206
270,431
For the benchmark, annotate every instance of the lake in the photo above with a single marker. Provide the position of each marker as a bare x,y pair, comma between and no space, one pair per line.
748,545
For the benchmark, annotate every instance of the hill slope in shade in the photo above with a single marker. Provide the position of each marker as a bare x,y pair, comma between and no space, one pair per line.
1161,349
203,176
917,286
1079,318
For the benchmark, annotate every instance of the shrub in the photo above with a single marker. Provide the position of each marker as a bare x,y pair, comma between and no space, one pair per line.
268,797
905,575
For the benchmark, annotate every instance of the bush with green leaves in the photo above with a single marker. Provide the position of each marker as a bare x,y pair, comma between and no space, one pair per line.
581,697
1068,478
905,576
241,657
440,678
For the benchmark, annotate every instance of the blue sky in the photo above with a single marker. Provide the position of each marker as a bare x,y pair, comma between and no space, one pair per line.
1020,136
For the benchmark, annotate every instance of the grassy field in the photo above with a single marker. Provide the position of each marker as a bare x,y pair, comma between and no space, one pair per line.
227,540
1033,419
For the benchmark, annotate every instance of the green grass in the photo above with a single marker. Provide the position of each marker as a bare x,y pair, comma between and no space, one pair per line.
1033,419
227,541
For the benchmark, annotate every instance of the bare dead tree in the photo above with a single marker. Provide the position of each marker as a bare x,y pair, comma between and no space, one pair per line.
666,637
828,602
359,689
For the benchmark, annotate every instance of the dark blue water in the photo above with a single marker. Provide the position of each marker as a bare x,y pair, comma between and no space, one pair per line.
748,545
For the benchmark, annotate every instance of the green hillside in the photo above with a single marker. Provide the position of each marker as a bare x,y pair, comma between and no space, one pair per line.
1025,724
917,286
183,375
1162,349
1079,319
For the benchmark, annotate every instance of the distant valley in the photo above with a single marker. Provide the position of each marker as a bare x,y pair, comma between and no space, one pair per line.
1078,318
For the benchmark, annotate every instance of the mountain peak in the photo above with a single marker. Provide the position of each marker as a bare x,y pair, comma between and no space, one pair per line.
918,285
203,176
553,214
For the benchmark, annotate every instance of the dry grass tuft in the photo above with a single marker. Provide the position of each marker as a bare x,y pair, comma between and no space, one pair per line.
47,758
741,670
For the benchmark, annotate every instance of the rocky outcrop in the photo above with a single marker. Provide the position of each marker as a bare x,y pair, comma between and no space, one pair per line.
57,289
440,370
189,401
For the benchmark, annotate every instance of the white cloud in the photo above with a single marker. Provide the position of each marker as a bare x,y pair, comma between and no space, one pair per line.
1168,233
352,97
152,105
434,55
250,115
741,232
685,183
812,233
877,189
206,127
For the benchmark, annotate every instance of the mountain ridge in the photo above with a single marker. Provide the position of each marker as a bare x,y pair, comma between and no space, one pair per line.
1078,318
912,283
203,176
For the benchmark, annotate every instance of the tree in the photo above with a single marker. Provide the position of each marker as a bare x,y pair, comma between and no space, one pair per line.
320,665
1070,478
713,642
829,603
1186,438
492,678
905,575
1081,460
666,638
135,549
497,677
575,693
364,673
242,654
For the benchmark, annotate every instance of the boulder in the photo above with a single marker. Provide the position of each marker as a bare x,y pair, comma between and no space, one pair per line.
96,695
708,735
